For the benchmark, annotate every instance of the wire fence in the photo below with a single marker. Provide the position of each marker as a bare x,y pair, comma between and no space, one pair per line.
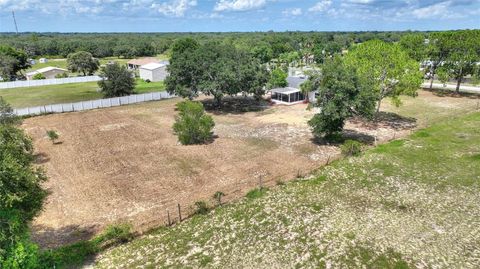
92,104
44,82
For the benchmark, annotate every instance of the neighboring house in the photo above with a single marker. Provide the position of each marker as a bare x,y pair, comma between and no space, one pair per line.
48,72
292,94
43,60
136,63
153,72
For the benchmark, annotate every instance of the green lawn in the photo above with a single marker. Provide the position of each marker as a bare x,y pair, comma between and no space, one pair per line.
65,93
412,202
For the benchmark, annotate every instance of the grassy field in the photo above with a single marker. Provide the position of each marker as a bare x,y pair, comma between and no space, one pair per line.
65,93
410,203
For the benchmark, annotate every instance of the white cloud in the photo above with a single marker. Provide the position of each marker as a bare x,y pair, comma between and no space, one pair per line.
292,12
175,8
239,5
321,6
439,10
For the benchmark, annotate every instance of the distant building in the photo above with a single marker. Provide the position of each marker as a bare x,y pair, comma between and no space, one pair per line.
153,71
292,94
48,72
43,60
136,63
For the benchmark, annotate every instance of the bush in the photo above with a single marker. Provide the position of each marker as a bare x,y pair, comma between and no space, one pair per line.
62,75
256,193
52,135
192,125
38,76
148,81
201,208
351,148
218,197
7,117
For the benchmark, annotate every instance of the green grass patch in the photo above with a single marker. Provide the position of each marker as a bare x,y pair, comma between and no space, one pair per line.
77,253
65,93
256,193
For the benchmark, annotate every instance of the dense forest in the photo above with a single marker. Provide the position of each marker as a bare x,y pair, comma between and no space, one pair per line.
267,44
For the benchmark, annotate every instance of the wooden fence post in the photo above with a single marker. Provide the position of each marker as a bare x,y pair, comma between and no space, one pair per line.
179,213
168,216
328,159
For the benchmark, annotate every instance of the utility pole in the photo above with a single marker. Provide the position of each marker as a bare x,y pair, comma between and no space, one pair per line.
15,21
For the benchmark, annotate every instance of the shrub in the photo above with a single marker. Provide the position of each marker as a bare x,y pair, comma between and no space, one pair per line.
201,208
52,135
7,117
192,125
256,193
351,148
62,75
148,81
218,197
38,76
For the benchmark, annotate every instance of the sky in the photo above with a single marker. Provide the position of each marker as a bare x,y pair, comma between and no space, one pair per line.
237,15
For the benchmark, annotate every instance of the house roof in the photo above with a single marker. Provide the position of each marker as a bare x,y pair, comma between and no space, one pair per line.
143,61
286,90
295,82
153,66
45,69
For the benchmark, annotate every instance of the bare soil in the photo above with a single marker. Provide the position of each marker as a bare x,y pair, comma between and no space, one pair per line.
124,164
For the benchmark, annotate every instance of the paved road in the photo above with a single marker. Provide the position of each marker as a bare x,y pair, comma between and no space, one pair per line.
439,86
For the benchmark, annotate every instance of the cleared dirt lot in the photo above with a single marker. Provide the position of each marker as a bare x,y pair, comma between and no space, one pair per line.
124,164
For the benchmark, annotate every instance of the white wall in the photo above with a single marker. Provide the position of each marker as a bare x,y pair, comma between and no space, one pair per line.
43,82
93,104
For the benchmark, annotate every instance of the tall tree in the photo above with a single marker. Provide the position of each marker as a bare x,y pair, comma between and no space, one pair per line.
462,57
12,61
116,81
82,62
388,68
278,78
415,46
341,94
214,69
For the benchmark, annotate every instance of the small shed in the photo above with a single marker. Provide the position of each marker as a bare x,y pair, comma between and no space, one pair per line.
43,60
153,72
48,72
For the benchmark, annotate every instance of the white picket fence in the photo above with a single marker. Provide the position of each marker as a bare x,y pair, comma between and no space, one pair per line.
93,104
43,82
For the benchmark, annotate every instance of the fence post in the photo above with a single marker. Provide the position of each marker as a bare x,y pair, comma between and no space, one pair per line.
328,159
168,216
179,213
261,183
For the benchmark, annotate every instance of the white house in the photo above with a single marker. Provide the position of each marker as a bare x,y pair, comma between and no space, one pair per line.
43,60
292,94
48,72
153,71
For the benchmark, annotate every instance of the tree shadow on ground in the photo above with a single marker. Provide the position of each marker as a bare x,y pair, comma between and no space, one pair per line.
41,158
347,134
48,238
450,93
386,119
236,105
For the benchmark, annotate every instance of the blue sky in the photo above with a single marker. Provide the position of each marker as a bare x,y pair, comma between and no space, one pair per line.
237,15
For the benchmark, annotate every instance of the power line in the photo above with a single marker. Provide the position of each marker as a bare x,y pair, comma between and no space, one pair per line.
15,21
